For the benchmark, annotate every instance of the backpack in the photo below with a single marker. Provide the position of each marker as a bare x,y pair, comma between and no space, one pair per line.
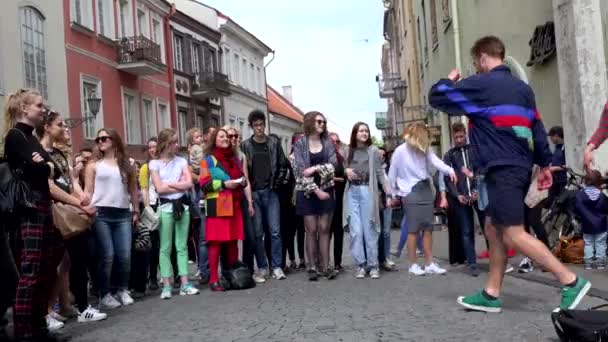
239,277
581,325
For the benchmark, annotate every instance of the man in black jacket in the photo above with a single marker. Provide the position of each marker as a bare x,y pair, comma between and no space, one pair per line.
266,161
463,195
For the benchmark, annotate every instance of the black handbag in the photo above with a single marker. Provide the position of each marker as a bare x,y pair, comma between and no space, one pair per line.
581,325
14,192
238,277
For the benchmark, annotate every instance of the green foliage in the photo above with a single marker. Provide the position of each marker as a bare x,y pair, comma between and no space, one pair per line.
377,142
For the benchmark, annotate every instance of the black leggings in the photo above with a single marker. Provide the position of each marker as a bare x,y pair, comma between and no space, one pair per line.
77,248
337,229
10,274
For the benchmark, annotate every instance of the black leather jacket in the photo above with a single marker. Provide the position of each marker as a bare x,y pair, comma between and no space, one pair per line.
278,162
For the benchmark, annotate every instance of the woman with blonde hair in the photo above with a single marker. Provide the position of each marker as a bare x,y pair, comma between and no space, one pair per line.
410,178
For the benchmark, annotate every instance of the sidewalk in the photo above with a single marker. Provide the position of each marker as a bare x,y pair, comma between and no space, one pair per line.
599,279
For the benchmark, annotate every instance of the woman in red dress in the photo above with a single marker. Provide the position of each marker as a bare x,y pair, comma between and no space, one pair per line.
222,182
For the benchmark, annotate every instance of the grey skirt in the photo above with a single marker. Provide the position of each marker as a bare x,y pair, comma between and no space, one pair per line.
418,208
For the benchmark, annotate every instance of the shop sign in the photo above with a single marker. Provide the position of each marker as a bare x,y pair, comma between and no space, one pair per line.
542,44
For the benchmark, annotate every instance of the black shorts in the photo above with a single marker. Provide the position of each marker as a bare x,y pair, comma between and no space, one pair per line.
507,188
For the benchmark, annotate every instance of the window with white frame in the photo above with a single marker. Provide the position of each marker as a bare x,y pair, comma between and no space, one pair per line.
237,69
132,119
253,78
163,115
199,121
125,15
157,34
244,70
149,119
33,49
196,60
178,45
82,13
142,22
228,64
90,87
182,116
105,18
261,81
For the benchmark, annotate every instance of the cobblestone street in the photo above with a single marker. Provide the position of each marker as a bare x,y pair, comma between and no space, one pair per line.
397,307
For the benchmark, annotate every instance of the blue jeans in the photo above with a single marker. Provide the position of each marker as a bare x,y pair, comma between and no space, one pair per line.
385,237
464,218
267,207
203,255
113,233
595,242
363,234
403,237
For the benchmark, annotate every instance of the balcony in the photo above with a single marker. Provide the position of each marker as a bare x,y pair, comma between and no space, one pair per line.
139,56
210,84
387,84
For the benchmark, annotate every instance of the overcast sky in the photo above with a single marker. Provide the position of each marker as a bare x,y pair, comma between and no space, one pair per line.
328,50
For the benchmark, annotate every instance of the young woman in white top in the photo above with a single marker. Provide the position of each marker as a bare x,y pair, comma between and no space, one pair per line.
112,183
410,178
172,179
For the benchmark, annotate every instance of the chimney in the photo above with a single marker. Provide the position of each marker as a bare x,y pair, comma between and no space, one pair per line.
288,93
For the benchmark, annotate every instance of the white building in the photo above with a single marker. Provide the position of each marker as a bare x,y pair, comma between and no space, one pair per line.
243,62
33,50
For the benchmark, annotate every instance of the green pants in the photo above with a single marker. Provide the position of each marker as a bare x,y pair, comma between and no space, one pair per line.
172,231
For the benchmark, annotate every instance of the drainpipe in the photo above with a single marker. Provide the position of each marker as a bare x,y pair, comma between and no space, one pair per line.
266,85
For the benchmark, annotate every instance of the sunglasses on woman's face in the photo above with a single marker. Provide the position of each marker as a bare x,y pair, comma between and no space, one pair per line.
102,139
233,136
321,122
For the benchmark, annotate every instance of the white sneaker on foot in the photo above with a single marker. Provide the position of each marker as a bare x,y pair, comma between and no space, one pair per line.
389,263
166,292
260,276
509,269
125,297
415,269
374,273
91,315
54,315
433,268
188,290
360,273
277,273
110,302
53,324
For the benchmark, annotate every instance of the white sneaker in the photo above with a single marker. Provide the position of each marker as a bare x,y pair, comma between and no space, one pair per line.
53,324
360,273
260,276
166,292
54,315
509,269
389,263
374,273
125,297
433,268
277,273
188,290
526,266
415,269
110,302
91,315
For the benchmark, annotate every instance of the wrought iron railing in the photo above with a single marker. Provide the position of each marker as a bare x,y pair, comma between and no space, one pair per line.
211,80
138,49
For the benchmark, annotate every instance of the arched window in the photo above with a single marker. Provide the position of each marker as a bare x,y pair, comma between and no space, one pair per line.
33,47
516,69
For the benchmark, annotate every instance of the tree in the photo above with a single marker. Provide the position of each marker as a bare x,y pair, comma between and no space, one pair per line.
377,142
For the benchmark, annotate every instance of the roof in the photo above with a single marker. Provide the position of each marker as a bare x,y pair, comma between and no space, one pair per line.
251,35
277,104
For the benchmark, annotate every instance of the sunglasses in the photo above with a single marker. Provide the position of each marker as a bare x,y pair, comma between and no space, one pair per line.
102,139
321,122
233,136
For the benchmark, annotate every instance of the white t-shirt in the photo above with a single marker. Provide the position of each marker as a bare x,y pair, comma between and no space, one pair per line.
169,172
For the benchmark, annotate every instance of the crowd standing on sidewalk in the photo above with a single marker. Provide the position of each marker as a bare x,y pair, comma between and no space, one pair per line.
142,220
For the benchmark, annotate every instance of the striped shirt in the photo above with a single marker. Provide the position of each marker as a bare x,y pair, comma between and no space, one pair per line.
601,133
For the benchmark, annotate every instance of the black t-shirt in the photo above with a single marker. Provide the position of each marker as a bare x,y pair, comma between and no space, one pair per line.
260,167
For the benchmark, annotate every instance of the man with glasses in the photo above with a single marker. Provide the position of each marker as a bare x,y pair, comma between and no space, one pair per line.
265,159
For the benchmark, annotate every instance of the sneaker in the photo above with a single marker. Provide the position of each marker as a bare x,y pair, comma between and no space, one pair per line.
188,290
572,296
331,274
91,315
278,274
125,297
509,269
479,302
108,301
526,266
53,324
374,273
261,276
601,265
360,273
588,266
473,271
415,269
419,253
389,263
54,315
313,274
433,268
166,293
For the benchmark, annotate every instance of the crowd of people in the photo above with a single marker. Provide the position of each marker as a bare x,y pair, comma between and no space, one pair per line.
173,209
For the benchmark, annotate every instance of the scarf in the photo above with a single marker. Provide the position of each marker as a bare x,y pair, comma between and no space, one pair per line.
228,161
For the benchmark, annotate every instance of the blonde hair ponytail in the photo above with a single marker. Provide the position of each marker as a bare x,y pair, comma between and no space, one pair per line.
13,108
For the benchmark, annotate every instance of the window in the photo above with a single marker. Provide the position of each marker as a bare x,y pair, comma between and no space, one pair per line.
125,16
82,13
182,116
434,35
209,60
196,66
131,120
178,43
426,37
245,79
262,81
142,22
33,49
237,72
199,121
157,34
149,119
163,116
228,64
90,87
253,78
105,18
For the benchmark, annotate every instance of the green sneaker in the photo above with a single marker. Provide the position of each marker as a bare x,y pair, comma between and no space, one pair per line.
572,296
478,302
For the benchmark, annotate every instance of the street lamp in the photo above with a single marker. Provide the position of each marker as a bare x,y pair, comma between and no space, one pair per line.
93,102
400,92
